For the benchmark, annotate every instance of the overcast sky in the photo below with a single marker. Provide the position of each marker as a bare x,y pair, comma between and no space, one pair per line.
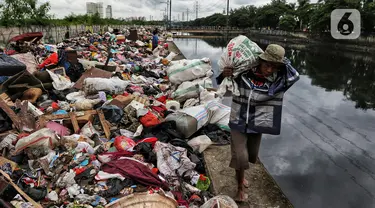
129,8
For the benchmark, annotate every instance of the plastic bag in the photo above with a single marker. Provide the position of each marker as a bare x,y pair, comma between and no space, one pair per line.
171,56
187,70
241,53
86,104
88,130
60,82
140,43
88,64
84,147
112,113
203,183
76,96
123,143
149,120
43,137
200,143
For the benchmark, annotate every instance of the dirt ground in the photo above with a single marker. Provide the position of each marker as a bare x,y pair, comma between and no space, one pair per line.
263,191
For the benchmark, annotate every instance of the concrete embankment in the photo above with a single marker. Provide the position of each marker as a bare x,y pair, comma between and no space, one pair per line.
173,48
263,190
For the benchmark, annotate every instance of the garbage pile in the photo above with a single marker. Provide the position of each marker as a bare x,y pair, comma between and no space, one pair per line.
97,118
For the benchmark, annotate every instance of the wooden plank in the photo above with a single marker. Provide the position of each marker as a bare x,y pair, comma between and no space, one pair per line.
6,176
11,114
104,124
73,118
41,122
67,116
7,99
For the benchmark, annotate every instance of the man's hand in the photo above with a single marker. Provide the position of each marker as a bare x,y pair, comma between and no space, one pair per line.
228,72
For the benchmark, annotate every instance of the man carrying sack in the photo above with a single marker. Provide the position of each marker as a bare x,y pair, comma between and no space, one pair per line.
258,107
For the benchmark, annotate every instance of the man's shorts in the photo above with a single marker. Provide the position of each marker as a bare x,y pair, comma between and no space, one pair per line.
244,149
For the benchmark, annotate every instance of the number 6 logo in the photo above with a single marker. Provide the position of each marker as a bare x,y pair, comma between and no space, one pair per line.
345,24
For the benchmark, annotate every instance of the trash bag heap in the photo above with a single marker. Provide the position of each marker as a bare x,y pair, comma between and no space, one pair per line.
98,118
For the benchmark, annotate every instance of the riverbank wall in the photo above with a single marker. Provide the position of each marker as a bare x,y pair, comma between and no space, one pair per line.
53,34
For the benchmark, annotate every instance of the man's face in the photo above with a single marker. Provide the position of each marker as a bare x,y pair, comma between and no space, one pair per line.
268,68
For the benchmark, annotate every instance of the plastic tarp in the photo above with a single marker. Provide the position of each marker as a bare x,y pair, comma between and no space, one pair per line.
27,37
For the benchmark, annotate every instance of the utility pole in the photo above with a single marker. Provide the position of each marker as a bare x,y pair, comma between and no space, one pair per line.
187,14
183,16
170,13
227,13
178,17
165,17
196,9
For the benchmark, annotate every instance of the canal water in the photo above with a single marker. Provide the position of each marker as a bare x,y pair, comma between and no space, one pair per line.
324,156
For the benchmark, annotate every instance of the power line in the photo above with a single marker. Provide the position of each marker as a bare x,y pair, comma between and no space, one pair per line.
211,5
209,9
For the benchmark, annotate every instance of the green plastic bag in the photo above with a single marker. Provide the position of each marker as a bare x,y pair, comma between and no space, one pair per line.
203,183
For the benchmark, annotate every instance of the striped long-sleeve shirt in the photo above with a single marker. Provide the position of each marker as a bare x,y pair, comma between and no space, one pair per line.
258,108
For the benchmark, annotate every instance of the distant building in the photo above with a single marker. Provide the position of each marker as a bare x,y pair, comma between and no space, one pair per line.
109,12
93,8
100,9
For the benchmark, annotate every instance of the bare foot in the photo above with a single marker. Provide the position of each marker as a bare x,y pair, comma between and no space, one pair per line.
241,196
245,183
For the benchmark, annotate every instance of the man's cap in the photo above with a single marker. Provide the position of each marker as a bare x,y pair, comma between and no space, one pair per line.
273,53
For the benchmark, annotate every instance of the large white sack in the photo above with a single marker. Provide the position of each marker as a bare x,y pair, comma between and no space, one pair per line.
188,70
219,114
241,54
188,89
189,120
205,97
113,85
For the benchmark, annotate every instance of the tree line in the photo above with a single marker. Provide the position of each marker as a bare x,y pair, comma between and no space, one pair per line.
278,14
302,16
29,12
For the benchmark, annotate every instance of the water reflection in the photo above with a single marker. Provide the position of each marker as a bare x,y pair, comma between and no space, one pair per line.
331,69
325,149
